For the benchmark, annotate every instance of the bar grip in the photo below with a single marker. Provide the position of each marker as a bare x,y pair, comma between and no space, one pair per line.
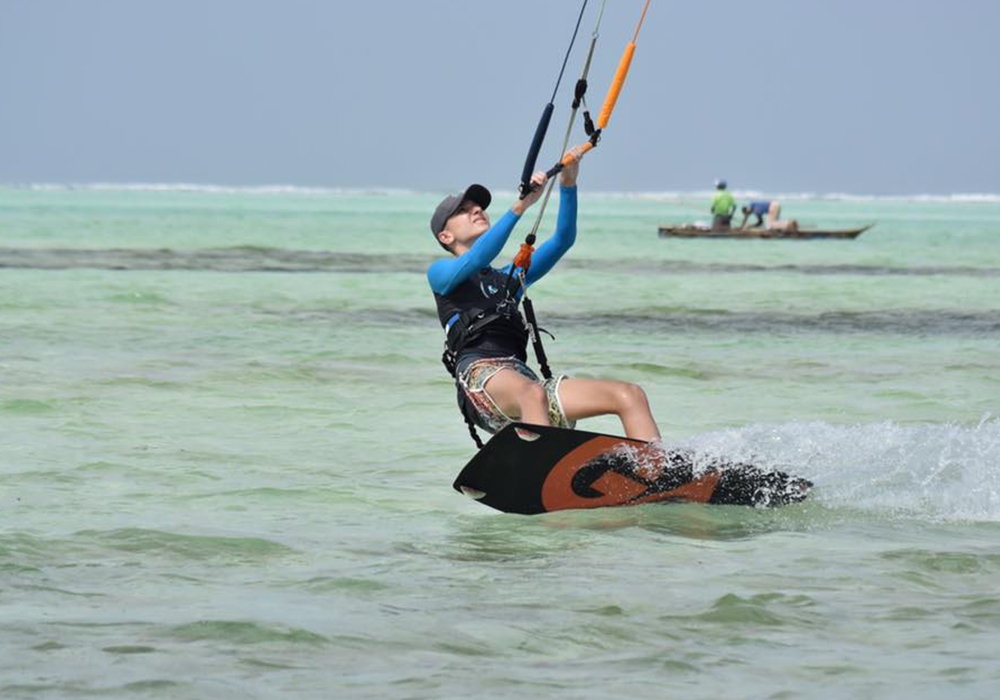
536,146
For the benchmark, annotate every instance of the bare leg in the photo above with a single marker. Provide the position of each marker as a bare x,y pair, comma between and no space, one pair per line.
585,398
519,397
773,214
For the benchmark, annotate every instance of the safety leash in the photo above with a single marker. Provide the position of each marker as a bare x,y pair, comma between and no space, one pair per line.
522,262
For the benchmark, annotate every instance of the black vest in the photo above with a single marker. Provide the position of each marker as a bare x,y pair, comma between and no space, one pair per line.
482,318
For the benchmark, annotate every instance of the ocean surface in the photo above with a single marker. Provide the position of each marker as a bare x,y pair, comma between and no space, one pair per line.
227,447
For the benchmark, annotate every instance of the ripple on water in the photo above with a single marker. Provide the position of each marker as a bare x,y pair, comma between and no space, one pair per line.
764,609
245,632
944,562
25,407
23,552
980,612
196,547
656,370
129,649
139,298
153,687
345,584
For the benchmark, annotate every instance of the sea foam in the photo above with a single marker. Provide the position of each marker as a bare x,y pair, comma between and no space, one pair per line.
187,187
655,196
945,472
687,196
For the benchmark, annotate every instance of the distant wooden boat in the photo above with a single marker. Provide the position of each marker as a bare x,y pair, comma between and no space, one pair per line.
800,234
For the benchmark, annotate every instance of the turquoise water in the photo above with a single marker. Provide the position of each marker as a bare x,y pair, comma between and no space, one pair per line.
228,447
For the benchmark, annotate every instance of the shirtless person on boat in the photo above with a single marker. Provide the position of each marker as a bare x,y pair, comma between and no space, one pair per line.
487,337
770,209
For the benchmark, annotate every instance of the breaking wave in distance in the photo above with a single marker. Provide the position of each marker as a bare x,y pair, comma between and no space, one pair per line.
956,198
187,187
664,196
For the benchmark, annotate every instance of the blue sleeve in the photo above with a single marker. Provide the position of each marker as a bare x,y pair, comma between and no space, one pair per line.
446,274
549,253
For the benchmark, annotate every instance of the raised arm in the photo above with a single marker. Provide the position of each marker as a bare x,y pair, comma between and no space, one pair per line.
549,253
446,274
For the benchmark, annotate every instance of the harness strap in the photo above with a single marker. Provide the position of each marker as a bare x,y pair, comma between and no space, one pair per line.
536,338
448,359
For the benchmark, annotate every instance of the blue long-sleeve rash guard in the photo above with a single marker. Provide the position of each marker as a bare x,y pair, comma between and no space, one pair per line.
445,275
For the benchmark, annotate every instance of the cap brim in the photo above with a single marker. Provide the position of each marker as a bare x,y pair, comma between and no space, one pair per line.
478,194
452,203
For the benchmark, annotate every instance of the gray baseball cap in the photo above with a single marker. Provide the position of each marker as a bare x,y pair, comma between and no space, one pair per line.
450,204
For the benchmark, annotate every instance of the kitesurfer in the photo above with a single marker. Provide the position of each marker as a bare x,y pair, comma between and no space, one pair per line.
487,338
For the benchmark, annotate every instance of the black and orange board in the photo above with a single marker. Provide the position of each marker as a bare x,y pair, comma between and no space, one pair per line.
533,469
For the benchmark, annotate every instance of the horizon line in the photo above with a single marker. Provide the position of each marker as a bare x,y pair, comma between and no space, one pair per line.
278,188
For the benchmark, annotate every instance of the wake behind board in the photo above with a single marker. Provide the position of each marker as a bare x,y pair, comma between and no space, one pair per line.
534,469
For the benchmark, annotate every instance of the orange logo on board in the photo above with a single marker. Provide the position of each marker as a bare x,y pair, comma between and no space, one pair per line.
610,487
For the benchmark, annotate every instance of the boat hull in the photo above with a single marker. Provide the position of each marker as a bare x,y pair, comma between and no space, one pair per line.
759,233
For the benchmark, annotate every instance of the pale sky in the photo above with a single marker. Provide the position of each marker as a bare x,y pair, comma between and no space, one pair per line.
857,96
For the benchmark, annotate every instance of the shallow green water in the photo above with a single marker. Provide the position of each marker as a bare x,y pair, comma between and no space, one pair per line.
228,444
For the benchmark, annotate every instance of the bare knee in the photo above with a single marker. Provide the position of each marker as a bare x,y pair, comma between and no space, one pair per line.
630,396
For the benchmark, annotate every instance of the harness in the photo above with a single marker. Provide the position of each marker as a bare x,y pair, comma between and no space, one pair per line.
465,328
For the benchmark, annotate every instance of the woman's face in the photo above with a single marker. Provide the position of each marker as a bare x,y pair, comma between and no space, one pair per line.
468,223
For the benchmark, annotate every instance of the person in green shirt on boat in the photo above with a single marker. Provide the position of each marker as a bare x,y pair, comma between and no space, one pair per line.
723,207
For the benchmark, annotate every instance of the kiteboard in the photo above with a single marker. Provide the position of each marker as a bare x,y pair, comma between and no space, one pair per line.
533,469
